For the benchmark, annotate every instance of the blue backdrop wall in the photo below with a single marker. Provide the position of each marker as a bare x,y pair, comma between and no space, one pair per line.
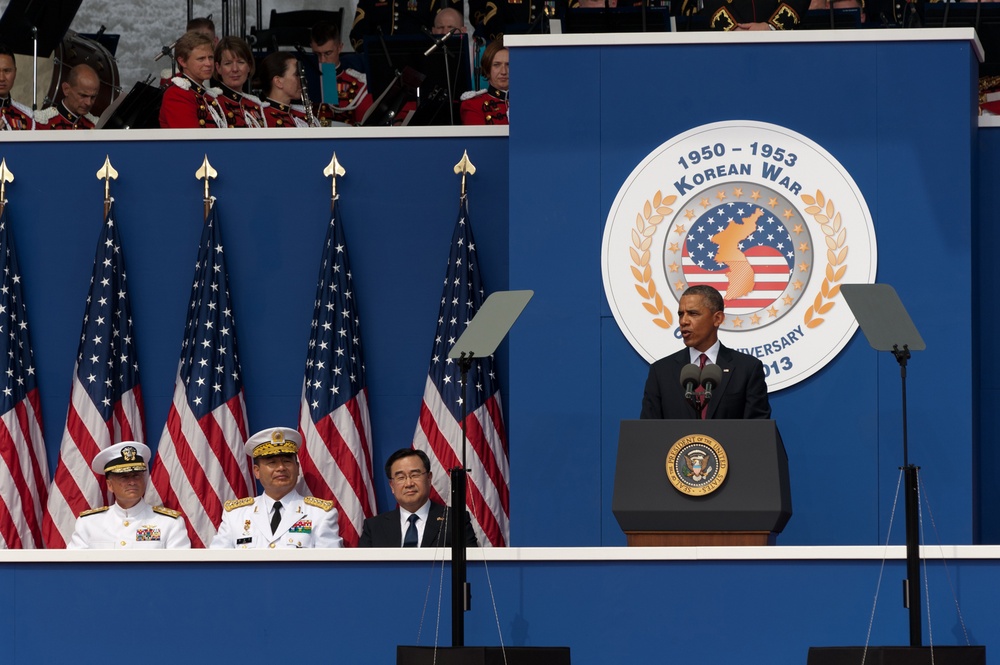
399,203
570,376
842,427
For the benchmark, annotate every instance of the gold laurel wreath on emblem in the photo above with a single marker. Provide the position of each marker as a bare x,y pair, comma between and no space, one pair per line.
653,212
826,215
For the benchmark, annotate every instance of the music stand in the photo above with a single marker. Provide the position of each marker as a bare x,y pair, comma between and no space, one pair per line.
50,19
481,338
138,109
441,77
888,327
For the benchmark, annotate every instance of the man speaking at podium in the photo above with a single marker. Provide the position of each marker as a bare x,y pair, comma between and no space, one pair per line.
740,391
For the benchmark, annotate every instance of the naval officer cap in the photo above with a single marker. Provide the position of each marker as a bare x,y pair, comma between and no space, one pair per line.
273,441
124,457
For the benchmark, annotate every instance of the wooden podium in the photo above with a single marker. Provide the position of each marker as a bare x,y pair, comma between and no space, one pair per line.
747,502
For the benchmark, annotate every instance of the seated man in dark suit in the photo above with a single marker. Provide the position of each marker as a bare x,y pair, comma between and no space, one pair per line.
742,392
418,521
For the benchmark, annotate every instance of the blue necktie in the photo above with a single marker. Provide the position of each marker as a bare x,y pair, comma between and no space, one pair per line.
410,539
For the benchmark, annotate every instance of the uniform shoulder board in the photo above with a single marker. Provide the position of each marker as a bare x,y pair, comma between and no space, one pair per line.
46,114
472,93
319,503
181,82
167,511
91,117
232,504
358,75
94,511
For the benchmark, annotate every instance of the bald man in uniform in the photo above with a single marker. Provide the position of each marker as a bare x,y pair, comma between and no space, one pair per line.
80,91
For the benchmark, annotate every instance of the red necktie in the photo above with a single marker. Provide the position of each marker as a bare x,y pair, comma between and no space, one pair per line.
702,361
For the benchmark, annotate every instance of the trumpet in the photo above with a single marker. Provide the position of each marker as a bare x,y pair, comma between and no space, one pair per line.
306,102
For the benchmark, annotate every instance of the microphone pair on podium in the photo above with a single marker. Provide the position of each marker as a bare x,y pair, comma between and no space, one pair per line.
693,377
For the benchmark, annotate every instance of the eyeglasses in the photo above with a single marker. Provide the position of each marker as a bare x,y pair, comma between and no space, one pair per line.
412,475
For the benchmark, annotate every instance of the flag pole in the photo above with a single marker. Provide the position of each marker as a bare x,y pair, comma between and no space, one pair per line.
5,177
461,592
332,170
206,172
107,173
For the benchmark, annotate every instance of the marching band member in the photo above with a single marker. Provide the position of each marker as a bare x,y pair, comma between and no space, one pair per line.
233,66
280,71
12,114
490,106
80,91
353,98
189,102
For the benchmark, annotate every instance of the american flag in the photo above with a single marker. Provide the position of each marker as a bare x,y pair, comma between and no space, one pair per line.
201,462
336,456
770,251
105,398
439,432
24,471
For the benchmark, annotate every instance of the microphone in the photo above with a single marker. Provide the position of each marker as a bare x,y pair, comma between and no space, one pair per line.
690,379
711,377
437,42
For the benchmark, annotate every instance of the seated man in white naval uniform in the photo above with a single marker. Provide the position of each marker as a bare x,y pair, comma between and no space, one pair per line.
128,523
280,517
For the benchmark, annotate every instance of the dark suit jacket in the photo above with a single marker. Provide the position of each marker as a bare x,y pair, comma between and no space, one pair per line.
384,530
741,394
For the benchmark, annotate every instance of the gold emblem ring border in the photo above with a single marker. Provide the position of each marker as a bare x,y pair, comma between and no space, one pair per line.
704,440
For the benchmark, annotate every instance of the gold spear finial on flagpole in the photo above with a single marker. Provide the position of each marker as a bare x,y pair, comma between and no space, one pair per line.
206,172
107,173
465,167
332,170
5,177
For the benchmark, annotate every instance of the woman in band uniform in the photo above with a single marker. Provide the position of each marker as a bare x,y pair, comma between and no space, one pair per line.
189,101
233,67
490,106
280,73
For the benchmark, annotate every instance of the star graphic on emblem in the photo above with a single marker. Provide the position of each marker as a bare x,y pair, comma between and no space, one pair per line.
788,214
673,267
755,195
721,195
737,192
797,284
804,247
797,228
788,300
773,202
737,322
754,319
674,248
803,267
679,229
772,311
689,214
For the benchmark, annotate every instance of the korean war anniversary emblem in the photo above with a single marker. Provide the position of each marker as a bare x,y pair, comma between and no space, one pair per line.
763,214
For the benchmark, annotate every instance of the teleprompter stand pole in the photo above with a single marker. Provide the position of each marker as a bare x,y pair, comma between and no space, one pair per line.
481,338
888,327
